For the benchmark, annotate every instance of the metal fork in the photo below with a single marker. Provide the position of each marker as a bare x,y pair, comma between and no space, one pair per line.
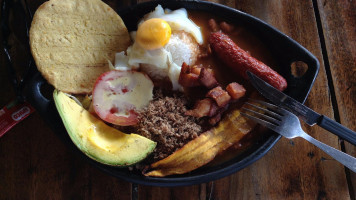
288,125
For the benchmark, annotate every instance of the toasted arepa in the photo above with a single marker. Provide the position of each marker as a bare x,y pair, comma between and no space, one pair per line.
72,41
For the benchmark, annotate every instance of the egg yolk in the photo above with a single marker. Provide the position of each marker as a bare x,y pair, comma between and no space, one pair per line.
153,34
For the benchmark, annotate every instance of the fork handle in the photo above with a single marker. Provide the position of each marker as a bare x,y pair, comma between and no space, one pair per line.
338,129
343,158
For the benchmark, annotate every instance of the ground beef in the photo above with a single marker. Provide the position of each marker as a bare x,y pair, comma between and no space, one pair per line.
164,122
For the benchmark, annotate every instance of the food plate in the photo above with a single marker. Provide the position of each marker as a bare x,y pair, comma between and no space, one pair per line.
282,48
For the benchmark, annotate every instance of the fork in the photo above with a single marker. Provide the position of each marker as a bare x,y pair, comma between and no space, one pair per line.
288,125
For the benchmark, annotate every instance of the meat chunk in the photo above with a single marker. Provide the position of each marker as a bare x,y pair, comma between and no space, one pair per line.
196,69
202,108
217,117
214,120
186,78
189,80
226,28
217,102
185,68
214,109
220,96
235,90
213,25
197,76
207,78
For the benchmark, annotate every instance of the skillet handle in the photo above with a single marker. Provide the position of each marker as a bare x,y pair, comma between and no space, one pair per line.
34,94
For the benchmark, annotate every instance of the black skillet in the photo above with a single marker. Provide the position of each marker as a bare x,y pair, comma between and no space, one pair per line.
283,48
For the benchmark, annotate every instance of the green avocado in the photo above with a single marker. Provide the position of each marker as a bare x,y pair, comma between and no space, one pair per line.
98,140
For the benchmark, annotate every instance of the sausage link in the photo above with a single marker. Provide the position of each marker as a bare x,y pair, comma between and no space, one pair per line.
240,61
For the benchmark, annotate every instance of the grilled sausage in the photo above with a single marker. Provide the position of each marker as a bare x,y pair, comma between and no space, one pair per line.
240,61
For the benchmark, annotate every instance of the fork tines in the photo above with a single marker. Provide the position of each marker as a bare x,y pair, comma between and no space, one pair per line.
270,116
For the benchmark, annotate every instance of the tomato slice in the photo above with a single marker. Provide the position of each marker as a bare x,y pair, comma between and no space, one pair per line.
118,95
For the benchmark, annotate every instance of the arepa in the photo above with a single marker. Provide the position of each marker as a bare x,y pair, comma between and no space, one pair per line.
72,41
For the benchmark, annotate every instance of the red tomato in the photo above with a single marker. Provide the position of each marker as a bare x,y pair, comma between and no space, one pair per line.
118,94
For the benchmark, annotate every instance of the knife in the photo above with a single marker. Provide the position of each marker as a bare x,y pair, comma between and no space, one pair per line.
306,114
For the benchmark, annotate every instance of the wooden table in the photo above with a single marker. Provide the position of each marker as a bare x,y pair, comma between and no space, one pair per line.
35,164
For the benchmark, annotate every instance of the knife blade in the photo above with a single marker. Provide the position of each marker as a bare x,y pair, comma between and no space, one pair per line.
303,112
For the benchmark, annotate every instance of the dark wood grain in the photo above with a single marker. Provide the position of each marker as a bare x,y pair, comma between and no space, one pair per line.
338,20
186,193
35,164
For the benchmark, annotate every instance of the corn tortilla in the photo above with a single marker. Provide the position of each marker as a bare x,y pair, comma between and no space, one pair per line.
72,41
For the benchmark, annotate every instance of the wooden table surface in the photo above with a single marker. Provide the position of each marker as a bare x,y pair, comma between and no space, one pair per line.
35,164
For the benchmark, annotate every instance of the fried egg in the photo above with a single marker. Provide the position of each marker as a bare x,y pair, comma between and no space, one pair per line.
178,21
164,40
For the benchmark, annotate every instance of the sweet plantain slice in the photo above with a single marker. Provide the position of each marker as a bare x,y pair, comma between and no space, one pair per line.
204,148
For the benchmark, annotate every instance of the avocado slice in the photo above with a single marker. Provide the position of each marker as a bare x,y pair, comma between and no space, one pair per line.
97,140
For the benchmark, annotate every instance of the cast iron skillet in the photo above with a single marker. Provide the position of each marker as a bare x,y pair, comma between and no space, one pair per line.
283,48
